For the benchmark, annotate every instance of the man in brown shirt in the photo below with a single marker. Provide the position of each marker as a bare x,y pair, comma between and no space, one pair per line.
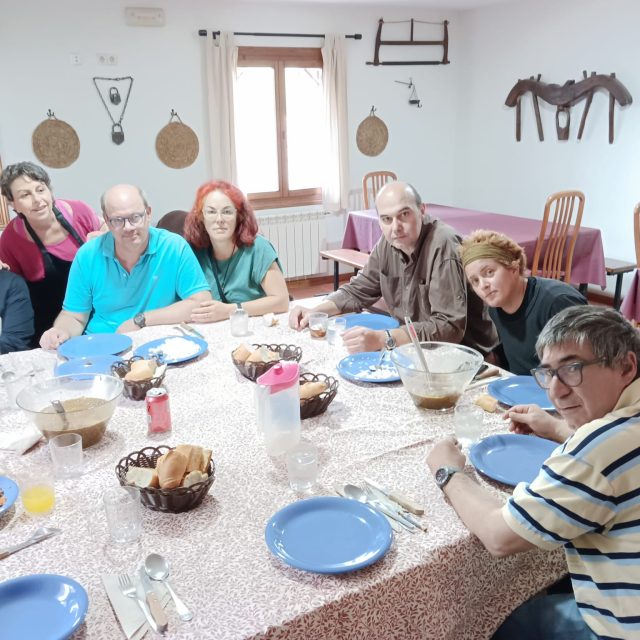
415,267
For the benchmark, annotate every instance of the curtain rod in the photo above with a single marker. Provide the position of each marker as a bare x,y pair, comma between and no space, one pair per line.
354,36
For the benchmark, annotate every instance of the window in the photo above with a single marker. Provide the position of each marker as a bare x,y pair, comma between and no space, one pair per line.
279,125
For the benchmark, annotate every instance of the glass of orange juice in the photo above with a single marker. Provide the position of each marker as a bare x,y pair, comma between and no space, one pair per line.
37,493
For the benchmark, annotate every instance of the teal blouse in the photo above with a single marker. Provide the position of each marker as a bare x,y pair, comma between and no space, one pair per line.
242,274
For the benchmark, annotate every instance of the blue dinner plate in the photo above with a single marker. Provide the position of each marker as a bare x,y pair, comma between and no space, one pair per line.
92,364
371,321
145,350
42,606
94,344
520,390
511,457
328,535
10,490
356,367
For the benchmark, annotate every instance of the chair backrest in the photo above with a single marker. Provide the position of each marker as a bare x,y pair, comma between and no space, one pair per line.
554,250
636,232
372,183
173,221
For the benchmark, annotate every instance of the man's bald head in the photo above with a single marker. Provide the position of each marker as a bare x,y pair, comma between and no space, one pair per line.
122,196
398,192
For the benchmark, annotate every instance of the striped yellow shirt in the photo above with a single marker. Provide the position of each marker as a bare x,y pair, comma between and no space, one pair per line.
587,498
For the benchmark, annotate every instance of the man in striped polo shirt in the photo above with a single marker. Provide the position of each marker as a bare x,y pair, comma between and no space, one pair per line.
586,497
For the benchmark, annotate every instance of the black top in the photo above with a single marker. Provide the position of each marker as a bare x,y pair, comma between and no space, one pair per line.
16,313
518,331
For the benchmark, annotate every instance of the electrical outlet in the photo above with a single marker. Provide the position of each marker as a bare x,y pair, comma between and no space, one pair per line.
74,59
109,59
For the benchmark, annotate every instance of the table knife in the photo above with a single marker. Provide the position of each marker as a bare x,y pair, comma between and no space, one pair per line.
190,329
149,603
382,498
394,525
397,497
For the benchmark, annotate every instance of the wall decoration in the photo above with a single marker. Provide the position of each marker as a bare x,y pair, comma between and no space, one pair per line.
413,96
372,135
55,143
113,94
563,97
444,43
177,144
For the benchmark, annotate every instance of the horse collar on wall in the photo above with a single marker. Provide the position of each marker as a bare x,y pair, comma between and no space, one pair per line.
563,97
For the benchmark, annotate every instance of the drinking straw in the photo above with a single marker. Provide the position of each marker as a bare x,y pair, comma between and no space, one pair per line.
416,343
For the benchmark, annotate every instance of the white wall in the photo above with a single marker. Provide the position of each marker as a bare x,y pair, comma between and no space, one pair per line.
558,40
167,68
459,149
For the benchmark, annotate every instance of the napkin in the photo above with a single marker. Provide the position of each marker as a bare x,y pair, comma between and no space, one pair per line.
19,440
129,614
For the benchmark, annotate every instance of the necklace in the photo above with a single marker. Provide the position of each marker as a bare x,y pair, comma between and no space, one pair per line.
117,133
221,280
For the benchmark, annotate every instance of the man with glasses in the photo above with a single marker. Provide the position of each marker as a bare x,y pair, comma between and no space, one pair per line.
586,497
129,278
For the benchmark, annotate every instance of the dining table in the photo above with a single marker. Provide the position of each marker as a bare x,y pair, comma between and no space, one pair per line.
362,232
439,583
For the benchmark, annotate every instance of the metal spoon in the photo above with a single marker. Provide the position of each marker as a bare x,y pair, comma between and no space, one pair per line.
356,493
375,367
157,568
57,405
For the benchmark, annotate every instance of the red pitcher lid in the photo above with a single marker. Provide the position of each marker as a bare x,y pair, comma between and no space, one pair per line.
281,376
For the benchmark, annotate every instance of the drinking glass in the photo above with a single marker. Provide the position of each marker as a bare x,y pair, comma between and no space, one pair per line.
302,466
239,321
335,329
37,493
66,453
468,419
318,323
122,507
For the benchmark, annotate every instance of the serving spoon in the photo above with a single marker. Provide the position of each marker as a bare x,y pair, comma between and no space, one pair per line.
157,568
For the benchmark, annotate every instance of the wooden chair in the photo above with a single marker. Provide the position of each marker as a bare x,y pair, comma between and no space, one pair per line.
548,258
372,183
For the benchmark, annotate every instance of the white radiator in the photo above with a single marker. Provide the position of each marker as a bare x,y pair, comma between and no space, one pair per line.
298,238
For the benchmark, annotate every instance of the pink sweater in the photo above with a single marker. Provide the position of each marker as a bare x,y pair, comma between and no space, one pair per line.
22,254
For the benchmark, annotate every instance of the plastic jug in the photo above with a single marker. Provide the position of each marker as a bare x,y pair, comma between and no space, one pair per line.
278,402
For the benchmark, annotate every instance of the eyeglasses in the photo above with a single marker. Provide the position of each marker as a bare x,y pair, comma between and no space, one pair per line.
134,220
227,212
569,374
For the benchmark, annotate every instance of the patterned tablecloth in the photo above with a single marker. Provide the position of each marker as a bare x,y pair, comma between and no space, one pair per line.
439,584
362,231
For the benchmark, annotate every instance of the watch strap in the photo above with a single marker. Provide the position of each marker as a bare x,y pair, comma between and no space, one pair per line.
390,342
444,474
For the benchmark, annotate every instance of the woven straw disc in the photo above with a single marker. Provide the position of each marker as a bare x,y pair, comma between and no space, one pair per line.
55,143
177,145
372,136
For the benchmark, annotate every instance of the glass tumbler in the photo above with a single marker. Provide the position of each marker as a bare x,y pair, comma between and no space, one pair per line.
239,321
302,466
468,420
122,508
335,329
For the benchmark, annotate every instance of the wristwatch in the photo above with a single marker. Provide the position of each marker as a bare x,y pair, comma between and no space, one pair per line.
139,320
444,474
391,341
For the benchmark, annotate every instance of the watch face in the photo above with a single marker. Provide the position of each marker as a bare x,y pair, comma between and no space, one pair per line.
441,476
139,320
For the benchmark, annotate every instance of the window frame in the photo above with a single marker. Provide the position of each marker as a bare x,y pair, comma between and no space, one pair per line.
279,58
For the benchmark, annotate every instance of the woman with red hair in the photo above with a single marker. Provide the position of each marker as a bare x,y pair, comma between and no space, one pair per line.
241,266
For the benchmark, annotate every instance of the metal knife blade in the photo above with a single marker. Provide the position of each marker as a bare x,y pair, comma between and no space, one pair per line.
190,329
384,499
155,608
394,525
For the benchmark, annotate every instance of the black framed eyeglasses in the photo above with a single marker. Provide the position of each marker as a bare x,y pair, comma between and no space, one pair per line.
569,374
134,220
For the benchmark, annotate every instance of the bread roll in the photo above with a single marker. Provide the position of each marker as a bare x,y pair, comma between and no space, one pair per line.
171,468
193,478
310,389
486,402
142,477
194,455
241,353
141,373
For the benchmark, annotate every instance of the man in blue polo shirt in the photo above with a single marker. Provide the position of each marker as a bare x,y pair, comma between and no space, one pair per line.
130,278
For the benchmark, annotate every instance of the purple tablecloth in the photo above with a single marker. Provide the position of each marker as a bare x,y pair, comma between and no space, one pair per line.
630,307
363,231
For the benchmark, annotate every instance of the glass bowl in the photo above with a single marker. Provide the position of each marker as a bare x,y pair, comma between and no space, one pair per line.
89,401
451,368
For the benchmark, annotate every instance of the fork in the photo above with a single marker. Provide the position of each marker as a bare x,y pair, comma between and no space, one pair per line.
129,589
377,366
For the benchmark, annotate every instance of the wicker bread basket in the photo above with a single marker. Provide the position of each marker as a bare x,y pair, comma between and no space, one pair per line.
166,500
253,370
316,405
135,389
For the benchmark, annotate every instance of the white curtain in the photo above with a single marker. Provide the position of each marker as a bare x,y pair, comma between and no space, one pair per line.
335,188
220,67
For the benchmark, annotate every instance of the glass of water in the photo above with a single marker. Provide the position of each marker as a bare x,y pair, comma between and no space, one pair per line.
302,466
335,329
468,420
122,507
